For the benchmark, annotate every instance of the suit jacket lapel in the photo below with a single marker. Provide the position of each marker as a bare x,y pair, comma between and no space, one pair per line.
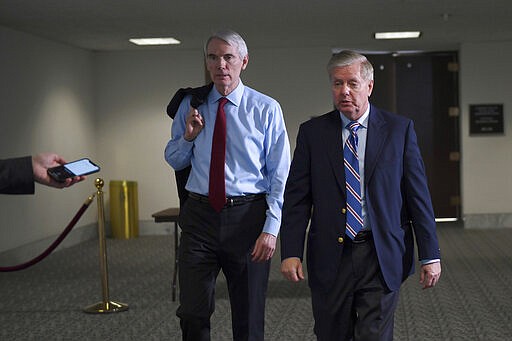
376,135
333,132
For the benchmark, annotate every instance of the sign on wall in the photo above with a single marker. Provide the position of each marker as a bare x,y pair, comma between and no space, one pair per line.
486,119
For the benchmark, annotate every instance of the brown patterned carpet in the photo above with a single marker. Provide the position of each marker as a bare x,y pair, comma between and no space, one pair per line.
45,302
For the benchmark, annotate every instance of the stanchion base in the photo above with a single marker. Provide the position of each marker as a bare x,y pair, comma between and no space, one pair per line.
106,307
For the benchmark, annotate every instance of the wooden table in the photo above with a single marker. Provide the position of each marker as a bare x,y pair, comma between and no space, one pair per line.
171,215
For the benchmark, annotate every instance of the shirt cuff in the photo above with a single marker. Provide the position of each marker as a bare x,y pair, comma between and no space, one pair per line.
429,261
271,227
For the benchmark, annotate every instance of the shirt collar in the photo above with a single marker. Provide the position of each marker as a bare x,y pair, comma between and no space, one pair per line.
235,97
363,120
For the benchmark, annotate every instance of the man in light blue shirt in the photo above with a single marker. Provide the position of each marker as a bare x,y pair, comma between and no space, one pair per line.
240,238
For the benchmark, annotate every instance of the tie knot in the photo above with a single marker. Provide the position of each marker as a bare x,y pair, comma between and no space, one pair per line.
222,102
353,127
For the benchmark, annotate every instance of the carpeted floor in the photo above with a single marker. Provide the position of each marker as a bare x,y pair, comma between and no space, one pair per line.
45,302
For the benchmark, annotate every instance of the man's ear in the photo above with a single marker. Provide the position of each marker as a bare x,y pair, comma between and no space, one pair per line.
370,88
245,61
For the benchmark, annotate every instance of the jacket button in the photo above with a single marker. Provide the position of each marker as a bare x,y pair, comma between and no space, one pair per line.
343,210
340,240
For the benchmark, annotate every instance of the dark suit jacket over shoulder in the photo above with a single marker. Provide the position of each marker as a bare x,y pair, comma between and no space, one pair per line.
199,95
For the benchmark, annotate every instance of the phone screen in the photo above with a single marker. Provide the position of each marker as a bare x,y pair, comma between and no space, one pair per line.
80,167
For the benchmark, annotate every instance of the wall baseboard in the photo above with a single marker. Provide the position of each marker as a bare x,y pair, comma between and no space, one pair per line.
84,233
24,253
150,228
490,220
78,235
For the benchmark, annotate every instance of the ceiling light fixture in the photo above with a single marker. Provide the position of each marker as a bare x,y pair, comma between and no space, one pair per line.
155,41
397,35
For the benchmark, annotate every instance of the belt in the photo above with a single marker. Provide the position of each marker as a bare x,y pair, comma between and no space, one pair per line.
230,201
362,237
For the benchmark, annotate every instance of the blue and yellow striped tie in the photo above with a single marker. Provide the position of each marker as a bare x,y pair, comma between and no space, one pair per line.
353,182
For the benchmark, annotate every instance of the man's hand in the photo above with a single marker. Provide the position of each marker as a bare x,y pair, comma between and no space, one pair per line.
40,165
264,247
194,124
429,274
291,268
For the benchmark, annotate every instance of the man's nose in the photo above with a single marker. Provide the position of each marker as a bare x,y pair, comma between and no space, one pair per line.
221,63
345,89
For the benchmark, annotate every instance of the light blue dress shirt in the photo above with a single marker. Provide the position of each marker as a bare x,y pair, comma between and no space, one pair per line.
257,148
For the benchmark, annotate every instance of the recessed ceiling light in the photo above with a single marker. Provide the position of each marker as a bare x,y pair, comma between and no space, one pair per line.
155,41
397,35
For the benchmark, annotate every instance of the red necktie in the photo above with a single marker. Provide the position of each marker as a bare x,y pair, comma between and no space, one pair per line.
217,190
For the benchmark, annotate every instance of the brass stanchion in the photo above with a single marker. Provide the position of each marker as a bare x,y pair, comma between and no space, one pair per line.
105,306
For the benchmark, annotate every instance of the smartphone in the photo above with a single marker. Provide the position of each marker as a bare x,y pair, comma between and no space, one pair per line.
76,168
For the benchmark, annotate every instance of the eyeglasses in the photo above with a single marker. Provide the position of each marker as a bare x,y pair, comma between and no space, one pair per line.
228,58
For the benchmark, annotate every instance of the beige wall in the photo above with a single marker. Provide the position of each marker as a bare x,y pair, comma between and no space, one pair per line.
46,104
486,160
110,106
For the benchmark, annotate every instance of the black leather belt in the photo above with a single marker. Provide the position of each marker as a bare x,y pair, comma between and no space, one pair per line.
230,201
362,237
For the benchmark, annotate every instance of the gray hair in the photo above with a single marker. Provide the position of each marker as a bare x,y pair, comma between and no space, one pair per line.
232,38
346,58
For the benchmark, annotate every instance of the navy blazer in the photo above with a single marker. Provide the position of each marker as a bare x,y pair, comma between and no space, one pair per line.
397,198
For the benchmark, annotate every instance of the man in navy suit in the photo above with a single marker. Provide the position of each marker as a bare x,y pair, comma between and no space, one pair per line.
355,281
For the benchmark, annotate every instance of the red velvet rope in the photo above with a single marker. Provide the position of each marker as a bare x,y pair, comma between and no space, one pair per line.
56,243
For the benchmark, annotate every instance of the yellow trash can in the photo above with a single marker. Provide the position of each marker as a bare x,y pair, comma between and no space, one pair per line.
124,209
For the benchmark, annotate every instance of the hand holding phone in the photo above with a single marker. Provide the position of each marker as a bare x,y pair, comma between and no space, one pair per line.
71,169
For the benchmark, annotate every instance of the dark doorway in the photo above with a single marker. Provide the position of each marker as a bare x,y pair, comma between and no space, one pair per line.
424,87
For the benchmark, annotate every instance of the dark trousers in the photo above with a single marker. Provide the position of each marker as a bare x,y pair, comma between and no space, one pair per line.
211,242
359,307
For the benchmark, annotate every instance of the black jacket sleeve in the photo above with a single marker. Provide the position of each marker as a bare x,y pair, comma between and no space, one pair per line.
198,97
16,176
